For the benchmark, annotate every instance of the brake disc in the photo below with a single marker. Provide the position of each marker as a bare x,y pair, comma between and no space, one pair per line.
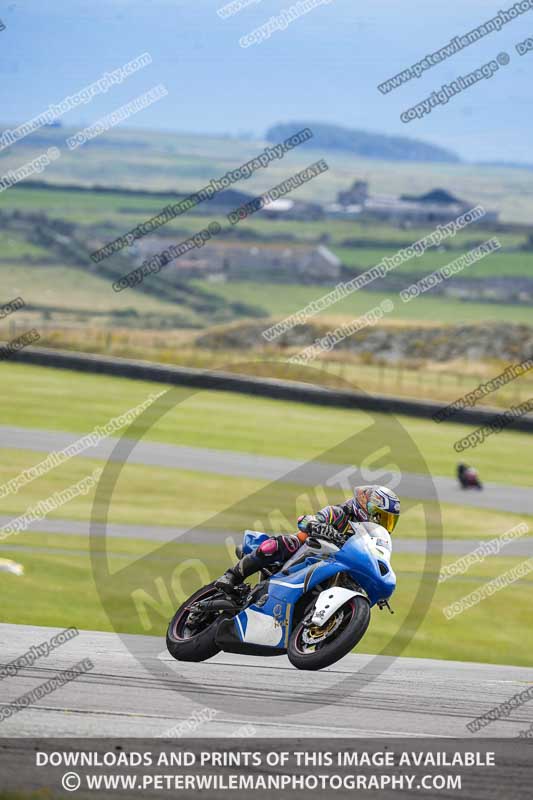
313,634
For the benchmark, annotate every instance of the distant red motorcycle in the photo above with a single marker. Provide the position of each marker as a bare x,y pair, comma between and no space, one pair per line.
468,477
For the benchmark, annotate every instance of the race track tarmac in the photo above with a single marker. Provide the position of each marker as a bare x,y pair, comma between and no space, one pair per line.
520,547
137,689
516,499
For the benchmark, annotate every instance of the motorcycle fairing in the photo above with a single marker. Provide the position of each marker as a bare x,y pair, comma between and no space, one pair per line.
330,600
376,576
268,624
264,627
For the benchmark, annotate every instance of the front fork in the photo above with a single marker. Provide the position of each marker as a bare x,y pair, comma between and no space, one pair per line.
343,580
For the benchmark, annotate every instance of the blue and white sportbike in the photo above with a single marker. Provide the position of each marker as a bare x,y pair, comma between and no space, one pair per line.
316,608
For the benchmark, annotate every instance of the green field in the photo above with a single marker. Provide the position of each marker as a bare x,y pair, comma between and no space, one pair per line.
16,246
43,278
281,300
93,207
59,400
71,289
126,210
498,264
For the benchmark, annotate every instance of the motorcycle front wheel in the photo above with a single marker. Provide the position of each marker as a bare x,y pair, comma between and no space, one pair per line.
315,647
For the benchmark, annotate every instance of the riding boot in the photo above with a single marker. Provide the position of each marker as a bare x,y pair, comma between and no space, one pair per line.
237,574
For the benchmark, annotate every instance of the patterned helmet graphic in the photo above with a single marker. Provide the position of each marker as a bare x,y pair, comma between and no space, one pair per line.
377,504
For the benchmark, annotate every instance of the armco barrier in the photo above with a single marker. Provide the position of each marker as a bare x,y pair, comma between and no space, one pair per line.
260,387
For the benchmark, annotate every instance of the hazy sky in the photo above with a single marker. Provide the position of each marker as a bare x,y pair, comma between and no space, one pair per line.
324,67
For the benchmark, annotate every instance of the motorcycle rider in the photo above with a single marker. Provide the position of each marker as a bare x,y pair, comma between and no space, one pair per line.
370,504
468,476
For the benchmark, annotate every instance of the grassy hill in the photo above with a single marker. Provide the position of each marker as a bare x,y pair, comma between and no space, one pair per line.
169,161
48,277
64,284
364,143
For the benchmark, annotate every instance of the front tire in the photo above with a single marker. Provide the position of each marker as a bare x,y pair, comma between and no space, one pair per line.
198,646
347,631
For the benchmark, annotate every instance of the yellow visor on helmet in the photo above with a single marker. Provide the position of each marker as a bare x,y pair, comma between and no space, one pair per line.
386,519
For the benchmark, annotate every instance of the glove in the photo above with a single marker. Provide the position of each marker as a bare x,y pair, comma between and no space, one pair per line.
305,522
324,531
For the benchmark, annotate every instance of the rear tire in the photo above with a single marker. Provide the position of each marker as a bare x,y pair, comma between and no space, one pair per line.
200,646
352,629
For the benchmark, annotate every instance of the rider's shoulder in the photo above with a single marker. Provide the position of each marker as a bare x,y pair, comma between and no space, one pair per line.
347,507
333,513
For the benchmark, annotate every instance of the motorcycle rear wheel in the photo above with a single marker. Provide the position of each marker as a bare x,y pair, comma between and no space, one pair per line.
343,638
193,646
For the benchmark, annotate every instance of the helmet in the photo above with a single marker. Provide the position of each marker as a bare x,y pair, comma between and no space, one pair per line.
377,504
